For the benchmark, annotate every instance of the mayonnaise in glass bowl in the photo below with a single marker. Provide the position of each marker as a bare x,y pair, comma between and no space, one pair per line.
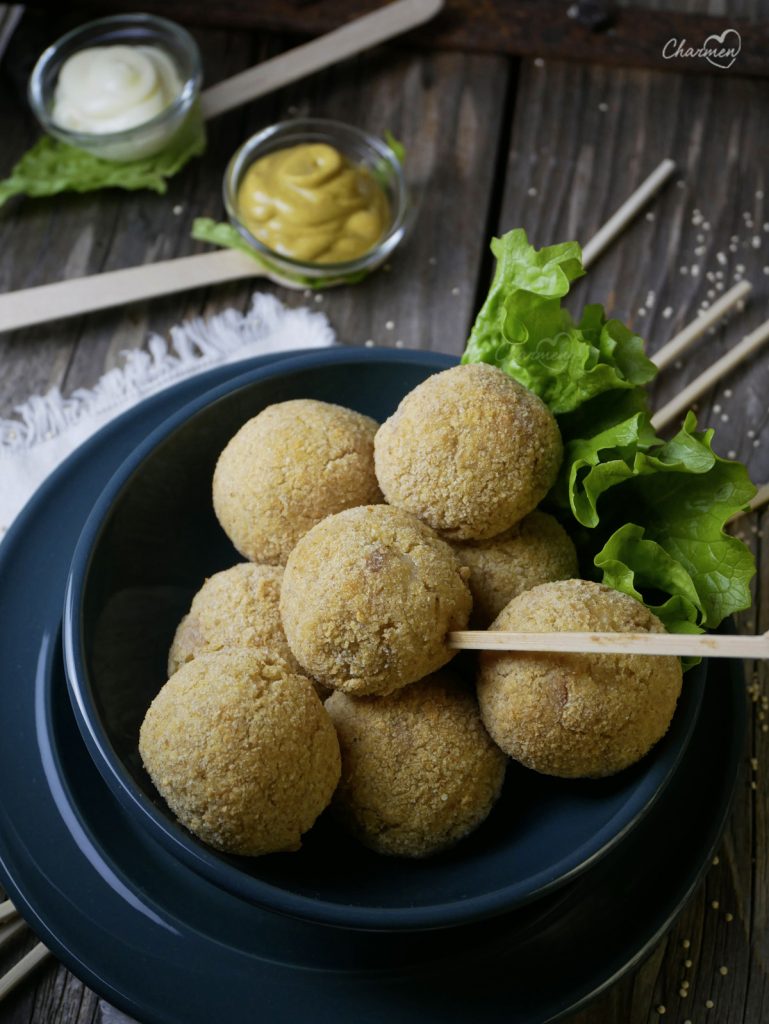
122,104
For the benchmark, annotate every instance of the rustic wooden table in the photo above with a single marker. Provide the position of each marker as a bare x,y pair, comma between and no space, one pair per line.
500,142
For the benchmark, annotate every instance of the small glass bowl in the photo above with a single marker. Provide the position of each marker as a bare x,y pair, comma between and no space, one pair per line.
126,29
363,150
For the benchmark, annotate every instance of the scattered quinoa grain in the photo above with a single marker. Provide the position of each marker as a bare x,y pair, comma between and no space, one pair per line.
716,860
715,904
687,963
728,917
723,971
709,1004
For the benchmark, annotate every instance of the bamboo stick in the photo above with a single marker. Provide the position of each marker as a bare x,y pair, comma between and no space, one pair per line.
705,645
7,911
24,967
684,399
361,34
29,306
10,931
685,338
619,220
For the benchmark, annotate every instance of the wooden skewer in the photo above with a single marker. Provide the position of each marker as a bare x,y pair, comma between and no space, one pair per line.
632,206
705,645
24,967
361,34
10,931
7,911
29,306
681,341
750,344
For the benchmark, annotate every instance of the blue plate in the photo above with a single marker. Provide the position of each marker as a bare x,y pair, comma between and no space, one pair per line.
167,946
152,539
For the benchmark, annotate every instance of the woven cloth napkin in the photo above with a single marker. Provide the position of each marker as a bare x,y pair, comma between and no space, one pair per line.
47,428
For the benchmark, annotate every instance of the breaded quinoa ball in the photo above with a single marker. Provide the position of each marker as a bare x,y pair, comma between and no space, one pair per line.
289,467
574,715
242,751
368,597
470,451
536,550
419,771
239,607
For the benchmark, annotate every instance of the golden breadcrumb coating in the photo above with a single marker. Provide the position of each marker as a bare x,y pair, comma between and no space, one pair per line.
242,751
536,550
419,771
239,607
469,451
368,597
576,715
289,467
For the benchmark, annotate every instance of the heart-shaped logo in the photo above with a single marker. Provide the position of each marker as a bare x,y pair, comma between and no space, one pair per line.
725,53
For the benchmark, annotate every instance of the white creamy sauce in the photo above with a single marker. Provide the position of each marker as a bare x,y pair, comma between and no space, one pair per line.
111,88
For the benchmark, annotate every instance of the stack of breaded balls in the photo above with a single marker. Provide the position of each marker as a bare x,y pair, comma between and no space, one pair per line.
367,546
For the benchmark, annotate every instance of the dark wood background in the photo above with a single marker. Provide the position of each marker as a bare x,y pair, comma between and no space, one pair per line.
493,142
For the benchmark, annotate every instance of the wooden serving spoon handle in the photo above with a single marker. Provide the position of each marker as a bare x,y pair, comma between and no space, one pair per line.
63,299
361,34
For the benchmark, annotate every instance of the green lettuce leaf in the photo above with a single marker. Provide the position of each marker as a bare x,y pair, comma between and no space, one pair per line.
205,229
684,495
523,329
50,166
647,513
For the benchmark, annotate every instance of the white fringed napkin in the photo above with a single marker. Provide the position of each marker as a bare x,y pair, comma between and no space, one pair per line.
47,428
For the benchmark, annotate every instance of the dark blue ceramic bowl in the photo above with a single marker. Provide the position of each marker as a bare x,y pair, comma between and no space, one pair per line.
152,539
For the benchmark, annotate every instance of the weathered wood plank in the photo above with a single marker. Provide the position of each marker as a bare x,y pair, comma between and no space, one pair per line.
597,33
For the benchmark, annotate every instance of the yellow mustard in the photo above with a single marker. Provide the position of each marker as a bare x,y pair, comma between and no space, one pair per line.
310,203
